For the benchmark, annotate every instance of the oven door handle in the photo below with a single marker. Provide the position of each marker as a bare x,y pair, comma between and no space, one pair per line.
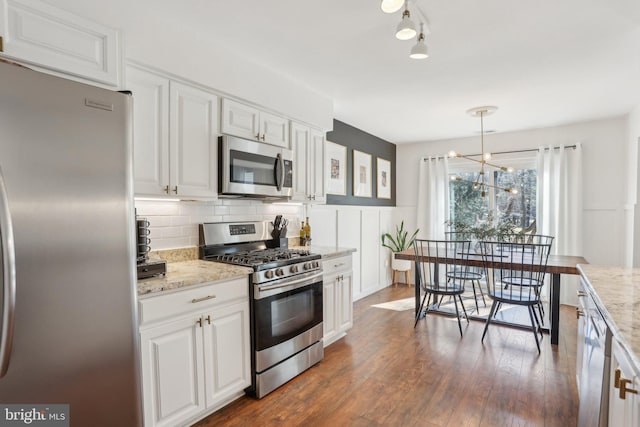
287,285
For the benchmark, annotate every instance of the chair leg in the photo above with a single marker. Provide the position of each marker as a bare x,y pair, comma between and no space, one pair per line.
421,306
395,277
463,308
407,276
533,326
495,313
475,297
486,325
481,292
458,316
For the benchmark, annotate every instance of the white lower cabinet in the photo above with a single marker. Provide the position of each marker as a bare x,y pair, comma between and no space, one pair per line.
624,386
195,351
337,297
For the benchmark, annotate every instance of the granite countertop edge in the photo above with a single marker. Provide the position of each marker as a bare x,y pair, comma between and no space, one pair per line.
326,252
610,319
189,274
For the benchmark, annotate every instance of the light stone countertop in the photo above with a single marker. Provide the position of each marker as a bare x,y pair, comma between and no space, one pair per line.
617,296
326,251
189,273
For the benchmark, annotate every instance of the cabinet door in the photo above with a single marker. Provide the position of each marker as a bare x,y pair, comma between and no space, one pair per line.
172,372
150,131
345,301
240,120
299,142
194,133
274,129
315,174
330,326
44,35
623,412
227,352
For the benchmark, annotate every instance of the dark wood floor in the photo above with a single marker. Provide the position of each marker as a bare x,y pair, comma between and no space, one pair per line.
386,373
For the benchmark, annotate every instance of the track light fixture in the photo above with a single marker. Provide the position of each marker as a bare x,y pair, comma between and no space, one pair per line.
406,29
419,50
391,6
480,183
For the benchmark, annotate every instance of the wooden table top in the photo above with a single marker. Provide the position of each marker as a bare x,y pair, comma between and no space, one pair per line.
557,264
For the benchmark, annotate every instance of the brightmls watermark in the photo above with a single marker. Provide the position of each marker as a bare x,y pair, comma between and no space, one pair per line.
34,415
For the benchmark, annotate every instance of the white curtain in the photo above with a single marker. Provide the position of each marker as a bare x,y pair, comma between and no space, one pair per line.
433,197
560,205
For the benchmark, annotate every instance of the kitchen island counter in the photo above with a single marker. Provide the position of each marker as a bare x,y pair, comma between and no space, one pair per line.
617,296
190,273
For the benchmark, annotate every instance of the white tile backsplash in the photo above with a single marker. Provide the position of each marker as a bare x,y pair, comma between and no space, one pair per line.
175,224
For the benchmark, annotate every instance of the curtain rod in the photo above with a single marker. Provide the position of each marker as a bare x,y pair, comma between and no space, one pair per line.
528,150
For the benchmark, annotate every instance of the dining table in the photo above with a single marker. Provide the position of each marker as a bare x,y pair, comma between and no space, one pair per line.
557,265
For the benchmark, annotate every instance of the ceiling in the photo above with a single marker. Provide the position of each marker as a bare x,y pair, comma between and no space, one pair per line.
543,63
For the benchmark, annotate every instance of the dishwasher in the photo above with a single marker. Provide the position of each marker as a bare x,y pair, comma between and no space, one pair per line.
595,362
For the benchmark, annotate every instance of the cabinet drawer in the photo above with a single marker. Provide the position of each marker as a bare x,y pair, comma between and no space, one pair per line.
334,265
191,299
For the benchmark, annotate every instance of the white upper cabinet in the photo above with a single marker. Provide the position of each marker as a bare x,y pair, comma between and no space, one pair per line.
308,166
38,33
193,141
150,131
175,130
248,122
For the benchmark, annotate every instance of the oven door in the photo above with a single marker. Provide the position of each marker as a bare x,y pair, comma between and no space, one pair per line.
253,168
287,318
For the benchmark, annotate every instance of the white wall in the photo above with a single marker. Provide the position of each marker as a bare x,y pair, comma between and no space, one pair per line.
175,224
604,176
359,227
633,214
154,37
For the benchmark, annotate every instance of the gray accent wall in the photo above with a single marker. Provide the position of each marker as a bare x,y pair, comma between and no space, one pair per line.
356,139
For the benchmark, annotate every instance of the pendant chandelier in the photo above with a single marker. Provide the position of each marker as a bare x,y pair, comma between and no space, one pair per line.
481,182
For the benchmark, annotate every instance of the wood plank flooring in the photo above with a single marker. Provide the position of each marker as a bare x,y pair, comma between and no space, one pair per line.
386,373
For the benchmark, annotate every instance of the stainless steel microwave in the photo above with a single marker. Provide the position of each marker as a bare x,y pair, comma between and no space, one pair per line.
253,169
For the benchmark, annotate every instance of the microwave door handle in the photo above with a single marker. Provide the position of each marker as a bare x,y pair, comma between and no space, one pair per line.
8,299
279,175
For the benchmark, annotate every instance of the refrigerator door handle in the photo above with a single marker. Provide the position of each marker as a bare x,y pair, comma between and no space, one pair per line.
8,296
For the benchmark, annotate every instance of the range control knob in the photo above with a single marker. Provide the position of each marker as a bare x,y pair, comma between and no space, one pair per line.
269,274
279,272
294,269
316,264
307,265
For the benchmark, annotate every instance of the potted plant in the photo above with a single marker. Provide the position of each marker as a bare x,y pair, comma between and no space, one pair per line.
399,243
487,229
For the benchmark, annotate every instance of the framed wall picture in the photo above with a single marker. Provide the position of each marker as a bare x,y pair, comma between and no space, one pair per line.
336,168
361,174
383,171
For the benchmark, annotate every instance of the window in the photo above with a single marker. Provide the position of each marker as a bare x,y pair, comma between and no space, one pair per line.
468,206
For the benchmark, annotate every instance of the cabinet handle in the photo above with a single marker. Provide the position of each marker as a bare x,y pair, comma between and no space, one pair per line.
175,190
199,322
208,318
338,265
313,197
195,300
166,189
624,390
579,313
616,378
582,294
258,136
262,137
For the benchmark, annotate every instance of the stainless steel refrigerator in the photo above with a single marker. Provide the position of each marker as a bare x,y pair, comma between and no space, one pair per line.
69,321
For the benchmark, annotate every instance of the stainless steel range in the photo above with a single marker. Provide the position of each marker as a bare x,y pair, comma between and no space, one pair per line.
286,299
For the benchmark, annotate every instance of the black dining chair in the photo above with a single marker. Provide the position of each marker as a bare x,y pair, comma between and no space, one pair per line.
515,274
468,273
438,277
